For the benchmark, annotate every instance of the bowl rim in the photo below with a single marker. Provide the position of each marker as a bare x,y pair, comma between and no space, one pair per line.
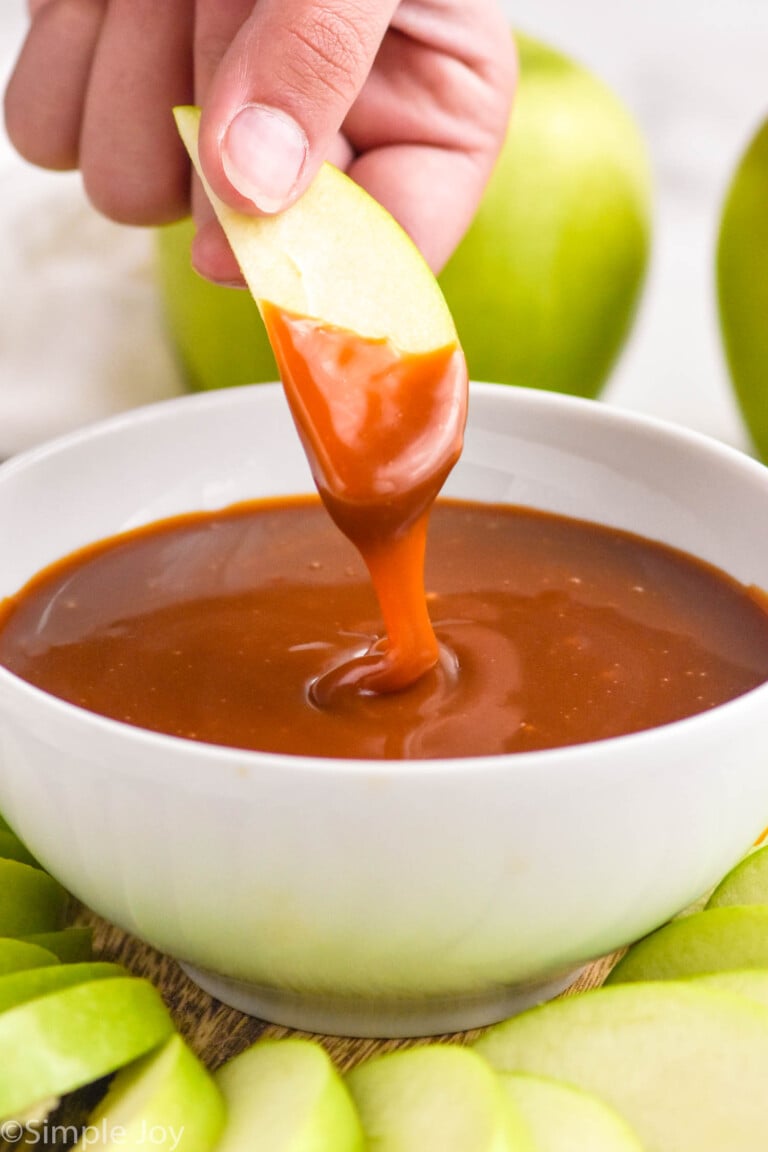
182,753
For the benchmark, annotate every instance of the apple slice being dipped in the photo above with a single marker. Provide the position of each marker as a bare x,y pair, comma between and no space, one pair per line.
376,382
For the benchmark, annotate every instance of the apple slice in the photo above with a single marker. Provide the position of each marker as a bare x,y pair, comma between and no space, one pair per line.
710,941
336,256
746,883
749,982
286,1096
11,848
685,1066
19,987
564,1119
73,1036
437,1096
166,1099
18,955
30,900
68,944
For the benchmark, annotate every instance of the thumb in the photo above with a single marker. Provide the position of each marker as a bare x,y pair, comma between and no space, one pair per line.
281,92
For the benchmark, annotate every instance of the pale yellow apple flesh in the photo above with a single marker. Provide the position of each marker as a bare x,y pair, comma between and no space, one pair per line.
566,1119
166,1098
287,1096
686,1066
437,1097
336,256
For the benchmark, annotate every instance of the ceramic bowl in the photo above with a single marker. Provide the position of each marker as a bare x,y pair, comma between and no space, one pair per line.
373,898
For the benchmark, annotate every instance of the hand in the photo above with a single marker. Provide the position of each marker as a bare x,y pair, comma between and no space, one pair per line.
411,99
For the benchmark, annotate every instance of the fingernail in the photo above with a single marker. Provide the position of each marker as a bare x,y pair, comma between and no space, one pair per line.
262,153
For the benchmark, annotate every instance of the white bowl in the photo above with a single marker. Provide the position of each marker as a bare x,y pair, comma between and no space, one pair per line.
374,898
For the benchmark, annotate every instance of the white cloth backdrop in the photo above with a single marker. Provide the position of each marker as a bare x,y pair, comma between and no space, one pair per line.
80,328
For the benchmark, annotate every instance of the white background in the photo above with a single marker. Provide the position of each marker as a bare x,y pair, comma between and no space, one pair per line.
80,327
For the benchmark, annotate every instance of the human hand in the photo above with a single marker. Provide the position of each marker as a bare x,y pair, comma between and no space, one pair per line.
411,99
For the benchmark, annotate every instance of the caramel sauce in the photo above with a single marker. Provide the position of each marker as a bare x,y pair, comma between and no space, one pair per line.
381,430
218,627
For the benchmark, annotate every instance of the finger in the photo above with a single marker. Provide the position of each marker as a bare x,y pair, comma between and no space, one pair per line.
134,166
45,96
432,119
216,26
432,192
281,93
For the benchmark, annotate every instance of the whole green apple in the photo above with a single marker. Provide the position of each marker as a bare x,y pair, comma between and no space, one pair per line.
544,286
742,286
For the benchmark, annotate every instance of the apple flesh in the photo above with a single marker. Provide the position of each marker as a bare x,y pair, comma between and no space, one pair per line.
685,1066
436,1096
564,1119
287,1096
166,1100
749,982
73,1036
710,941
30,900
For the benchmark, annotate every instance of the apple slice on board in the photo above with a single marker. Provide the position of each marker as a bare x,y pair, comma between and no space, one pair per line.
710,941
437,1096
19,987
30,900
166,1099
686,1066
18,955
336,256
749,982
746,883
71,1037
290,1093
68,944
566,1119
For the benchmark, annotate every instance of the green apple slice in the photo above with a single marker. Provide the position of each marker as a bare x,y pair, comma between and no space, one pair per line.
68,944
749,982
18,955
746,883
710,941
565,1119
287,1096
19,987
336,256
11,848
166,1099
30,900
68,1038
437,1096
685,1066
